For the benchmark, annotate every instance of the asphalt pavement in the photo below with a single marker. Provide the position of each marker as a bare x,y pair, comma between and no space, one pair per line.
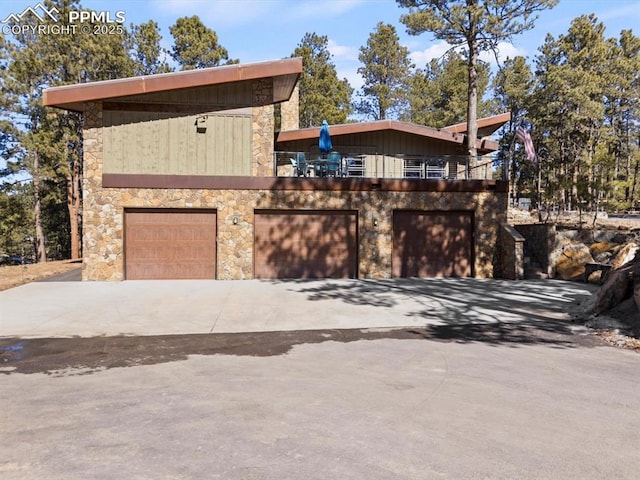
402,379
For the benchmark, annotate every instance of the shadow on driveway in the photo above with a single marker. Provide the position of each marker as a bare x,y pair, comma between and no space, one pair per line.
460,301
79,356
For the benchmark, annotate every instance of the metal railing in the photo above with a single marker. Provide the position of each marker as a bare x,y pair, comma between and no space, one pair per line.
369,165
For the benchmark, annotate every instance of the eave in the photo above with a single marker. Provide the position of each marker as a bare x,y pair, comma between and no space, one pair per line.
283,73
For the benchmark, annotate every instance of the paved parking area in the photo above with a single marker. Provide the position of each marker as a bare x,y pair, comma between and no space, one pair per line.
396,404
89,309
459,379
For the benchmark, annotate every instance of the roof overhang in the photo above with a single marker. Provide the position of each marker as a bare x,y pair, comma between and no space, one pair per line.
284,75
486,126
483,146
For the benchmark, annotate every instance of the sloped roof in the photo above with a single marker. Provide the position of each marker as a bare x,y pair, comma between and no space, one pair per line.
284,74
486,126
485,146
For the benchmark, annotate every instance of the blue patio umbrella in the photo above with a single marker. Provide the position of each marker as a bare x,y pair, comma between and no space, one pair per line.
325,139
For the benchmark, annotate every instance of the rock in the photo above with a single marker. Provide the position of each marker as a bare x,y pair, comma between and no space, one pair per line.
636,294
602,252
617,287
571,264
595,277
626,254
601,247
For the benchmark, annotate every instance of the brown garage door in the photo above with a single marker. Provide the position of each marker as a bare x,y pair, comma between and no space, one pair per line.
170,244
432,244
305,244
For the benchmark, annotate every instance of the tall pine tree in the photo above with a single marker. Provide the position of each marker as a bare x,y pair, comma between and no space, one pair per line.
478,25
323,96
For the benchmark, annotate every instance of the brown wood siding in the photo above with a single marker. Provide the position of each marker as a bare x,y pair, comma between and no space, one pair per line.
170,144
170,244
305,244
385,142
432,244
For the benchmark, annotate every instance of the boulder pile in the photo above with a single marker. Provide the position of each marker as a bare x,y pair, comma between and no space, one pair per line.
574,252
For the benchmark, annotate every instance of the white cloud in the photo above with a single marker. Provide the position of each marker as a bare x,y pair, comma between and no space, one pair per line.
437,50
423,57
352,76
342,51
505,50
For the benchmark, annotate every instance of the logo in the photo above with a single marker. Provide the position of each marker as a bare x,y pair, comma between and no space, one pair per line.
38,19
39,11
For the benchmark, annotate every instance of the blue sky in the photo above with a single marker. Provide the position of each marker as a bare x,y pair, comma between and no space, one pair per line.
260,30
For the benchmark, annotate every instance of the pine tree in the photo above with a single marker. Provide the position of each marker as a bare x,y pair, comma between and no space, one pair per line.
386,70
146,51
573,80
478,25
196,45
322,95
47,143
438,94
513,89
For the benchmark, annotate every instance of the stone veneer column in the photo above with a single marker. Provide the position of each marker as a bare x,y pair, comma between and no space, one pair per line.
101,219
290,112
263,130
235,240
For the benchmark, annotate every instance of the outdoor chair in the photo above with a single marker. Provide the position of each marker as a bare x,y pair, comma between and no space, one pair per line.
334,167
300,166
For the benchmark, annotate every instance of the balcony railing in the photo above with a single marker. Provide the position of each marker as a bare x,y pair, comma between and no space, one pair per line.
367,165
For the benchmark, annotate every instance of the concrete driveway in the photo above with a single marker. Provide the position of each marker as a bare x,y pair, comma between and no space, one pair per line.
89,309
501,385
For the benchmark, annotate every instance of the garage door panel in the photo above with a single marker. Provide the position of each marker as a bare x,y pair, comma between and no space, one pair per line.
165,244
432,244
305,245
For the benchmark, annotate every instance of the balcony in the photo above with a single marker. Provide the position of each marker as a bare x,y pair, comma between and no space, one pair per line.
367,165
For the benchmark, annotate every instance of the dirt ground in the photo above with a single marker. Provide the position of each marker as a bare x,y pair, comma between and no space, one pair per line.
15,275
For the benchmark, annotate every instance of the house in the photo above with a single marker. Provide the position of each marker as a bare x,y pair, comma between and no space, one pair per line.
182,181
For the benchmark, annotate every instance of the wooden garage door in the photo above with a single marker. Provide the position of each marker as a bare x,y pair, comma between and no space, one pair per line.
432,244
305,244
170,244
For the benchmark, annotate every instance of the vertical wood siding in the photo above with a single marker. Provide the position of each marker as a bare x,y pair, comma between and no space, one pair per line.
166,144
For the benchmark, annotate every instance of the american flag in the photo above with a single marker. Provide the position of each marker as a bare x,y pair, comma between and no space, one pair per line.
525,138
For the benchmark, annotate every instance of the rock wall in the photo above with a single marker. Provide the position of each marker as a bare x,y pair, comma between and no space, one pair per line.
509,262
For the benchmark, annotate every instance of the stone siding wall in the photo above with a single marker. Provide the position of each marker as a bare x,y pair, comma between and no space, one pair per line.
104,210
263,131
539,243
509,263
290,112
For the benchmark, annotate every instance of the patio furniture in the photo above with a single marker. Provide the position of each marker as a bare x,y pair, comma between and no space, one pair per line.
334,164
300,165
319,166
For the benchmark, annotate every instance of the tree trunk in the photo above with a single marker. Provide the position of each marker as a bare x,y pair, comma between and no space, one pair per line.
472,107
73,206
41,254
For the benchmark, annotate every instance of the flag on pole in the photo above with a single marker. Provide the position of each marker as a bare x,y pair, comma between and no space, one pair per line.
525,138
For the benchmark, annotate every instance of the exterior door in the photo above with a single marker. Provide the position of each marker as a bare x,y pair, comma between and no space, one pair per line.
432,244
170,244
305,244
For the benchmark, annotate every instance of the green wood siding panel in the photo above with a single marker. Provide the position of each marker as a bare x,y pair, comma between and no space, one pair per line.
235,94
162,143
